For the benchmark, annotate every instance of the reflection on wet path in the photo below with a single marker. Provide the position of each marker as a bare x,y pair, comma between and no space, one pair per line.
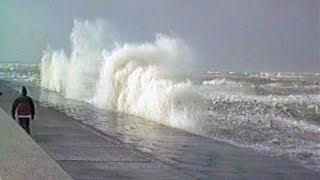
195,155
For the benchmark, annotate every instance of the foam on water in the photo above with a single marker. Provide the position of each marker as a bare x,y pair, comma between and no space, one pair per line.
77,74
277,113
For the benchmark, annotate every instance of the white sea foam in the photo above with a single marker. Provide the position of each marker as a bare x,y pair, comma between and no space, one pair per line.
139,79
150,80
77,74
132,81
53,69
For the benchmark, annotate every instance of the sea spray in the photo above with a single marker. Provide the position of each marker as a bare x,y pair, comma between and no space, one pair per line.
77,74
148,79
88,40
53,70
265,111
132,80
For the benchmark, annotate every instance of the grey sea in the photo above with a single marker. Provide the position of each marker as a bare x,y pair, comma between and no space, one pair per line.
210,124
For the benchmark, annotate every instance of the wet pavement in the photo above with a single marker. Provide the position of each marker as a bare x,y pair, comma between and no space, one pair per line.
88,153
85,154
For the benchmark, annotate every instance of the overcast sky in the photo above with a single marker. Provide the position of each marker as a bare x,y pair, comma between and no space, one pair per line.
233,35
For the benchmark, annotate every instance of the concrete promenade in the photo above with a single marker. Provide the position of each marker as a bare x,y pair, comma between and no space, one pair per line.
86,154
21,157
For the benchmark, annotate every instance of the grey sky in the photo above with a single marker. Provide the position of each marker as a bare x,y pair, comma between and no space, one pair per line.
229,35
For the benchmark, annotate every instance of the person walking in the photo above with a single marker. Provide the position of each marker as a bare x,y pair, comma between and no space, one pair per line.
23,109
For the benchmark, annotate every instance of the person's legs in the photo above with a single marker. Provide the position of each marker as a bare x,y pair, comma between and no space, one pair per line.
24,123
28,126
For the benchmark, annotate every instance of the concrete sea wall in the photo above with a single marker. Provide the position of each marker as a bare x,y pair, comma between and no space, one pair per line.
21,157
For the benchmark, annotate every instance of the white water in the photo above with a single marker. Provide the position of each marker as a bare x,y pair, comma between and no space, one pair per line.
138,79
77,74
269,112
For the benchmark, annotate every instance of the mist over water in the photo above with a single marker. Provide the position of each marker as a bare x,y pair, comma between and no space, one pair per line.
146,79
276,113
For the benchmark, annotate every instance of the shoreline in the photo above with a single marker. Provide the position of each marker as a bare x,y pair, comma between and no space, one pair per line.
227,161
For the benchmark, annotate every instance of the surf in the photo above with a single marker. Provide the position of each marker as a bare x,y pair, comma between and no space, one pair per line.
146,79
156,80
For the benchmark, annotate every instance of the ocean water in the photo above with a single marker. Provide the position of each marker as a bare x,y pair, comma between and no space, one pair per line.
274,113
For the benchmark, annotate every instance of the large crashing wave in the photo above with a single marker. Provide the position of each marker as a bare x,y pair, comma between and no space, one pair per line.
76,75
264,111
132,80
139,79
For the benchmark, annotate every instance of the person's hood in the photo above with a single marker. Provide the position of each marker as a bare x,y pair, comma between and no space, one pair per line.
24,91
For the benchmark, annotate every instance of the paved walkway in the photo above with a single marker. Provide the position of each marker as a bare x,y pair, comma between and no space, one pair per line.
86,154
21,157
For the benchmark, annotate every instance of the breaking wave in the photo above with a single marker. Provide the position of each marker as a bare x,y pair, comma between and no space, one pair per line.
274,113
131,78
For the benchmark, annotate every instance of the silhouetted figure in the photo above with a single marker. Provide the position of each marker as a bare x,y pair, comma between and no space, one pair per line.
23,110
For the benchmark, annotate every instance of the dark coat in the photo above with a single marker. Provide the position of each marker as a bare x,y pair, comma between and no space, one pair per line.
22,99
